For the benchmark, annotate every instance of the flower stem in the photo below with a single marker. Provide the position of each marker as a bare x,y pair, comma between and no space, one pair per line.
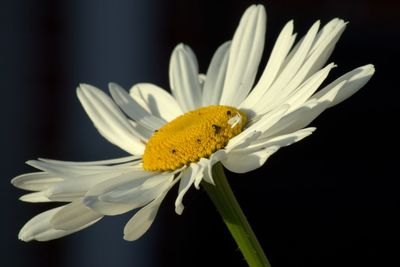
224,199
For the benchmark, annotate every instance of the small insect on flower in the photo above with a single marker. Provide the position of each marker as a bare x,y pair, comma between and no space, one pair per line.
216,128
229,118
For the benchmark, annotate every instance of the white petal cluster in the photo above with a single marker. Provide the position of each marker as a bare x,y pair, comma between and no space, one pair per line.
285,100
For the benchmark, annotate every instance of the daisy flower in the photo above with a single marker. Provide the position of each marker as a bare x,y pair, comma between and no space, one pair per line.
223,116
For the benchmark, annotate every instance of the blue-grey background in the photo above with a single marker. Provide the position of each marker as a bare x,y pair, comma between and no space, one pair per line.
330,200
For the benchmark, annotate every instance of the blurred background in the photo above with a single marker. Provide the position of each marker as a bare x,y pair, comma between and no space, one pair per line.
330,200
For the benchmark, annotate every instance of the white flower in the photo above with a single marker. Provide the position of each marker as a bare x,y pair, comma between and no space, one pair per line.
227,118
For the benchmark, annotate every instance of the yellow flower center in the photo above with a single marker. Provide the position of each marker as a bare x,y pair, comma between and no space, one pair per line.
192,136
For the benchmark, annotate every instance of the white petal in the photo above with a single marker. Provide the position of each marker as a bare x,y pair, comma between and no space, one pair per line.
318,56
39,227
143,219
300,51
68,171
245,55
35,181
291,74
188,177
183,78
354,80
261,126
36,197
242,162
121,181
332,94
156,101
65,181
124,193
216,73
326,31
92,163
68,191
109,120
303,115
133,109
303,92
279,52
214,158
330,33
255,155
142,132
202,80
245,141
139,195
279,141
74,216
203,172
71,189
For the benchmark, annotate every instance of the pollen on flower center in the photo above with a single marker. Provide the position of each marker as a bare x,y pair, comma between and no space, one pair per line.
194,135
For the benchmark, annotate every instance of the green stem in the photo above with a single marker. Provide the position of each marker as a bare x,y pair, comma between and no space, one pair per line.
222,196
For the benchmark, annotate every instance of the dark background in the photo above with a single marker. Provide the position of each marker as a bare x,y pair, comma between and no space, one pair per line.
330,200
